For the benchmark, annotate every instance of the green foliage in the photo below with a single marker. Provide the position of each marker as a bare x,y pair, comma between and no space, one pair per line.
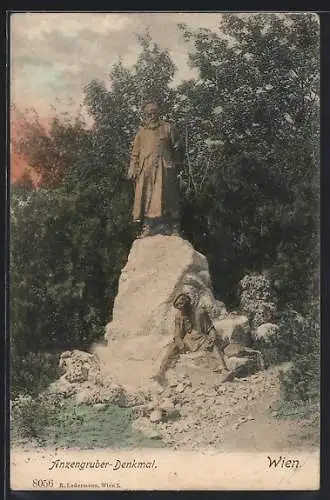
32,372
302,345
64,281
302,381
251,126
50,421
52,153
297,341
302,409
30,417
296,336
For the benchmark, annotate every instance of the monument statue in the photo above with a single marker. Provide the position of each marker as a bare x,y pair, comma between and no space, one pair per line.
154,165
194,331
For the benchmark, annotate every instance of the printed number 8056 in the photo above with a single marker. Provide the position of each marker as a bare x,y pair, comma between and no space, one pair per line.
43,483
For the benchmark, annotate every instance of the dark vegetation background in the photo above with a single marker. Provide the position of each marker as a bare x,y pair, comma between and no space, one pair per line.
250,129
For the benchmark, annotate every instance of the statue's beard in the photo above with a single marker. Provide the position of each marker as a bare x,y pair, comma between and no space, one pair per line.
153,121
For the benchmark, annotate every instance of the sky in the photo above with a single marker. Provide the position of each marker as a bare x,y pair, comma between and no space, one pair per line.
53,55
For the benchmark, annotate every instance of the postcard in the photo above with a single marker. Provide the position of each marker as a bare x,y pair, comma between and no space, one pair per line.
164,263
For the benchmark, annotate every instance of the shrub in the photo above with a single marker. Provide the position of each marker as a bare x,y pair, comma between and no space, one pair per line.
298,341
32,372
297,335
301,382
29,417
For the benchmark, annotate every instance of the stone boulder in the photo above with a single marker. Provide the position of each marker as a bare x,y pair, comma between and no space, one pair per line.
218,310
234,328
83,381
241,366
80,366
81,371
63,388
265,331
157,269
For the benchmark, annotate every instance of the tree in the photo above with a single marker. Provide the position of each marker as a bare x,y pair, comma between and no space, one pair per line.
251,125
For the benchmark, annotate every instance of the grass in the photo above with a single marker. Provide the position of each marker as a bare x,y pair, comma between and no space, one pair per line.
298,409
86,427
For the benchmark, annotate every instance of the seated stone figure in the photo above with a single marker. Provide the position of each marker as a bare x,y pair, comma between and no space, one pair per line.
194,331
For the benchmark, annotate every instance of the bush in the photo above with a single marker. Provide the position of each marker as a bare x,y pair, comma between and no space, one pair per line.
32,372
296,336
298,341
302,380
30,417
43,418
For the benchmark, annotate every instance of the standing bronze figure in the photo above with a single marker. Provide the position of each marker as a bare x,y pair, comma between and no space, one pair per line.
154,168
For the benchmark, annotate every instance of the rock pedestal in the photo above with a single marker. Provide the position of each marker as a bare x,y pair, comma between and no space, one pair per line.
157,269
142,327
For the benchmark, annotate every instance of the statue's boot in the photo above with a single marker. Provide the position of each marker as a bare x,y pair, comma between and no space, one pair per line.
146,231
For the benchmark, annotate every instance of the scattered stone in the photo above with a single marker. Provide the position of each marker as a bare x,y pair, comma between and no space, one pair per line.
156,416
169,409
154,435
266,330
99,406
210,394
193,392
180,387
150,406
83,397
231,324
241,366
63,388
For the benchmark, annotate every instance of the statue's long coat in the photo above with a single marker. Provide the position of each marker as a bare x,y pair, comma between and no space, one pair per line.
154,167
